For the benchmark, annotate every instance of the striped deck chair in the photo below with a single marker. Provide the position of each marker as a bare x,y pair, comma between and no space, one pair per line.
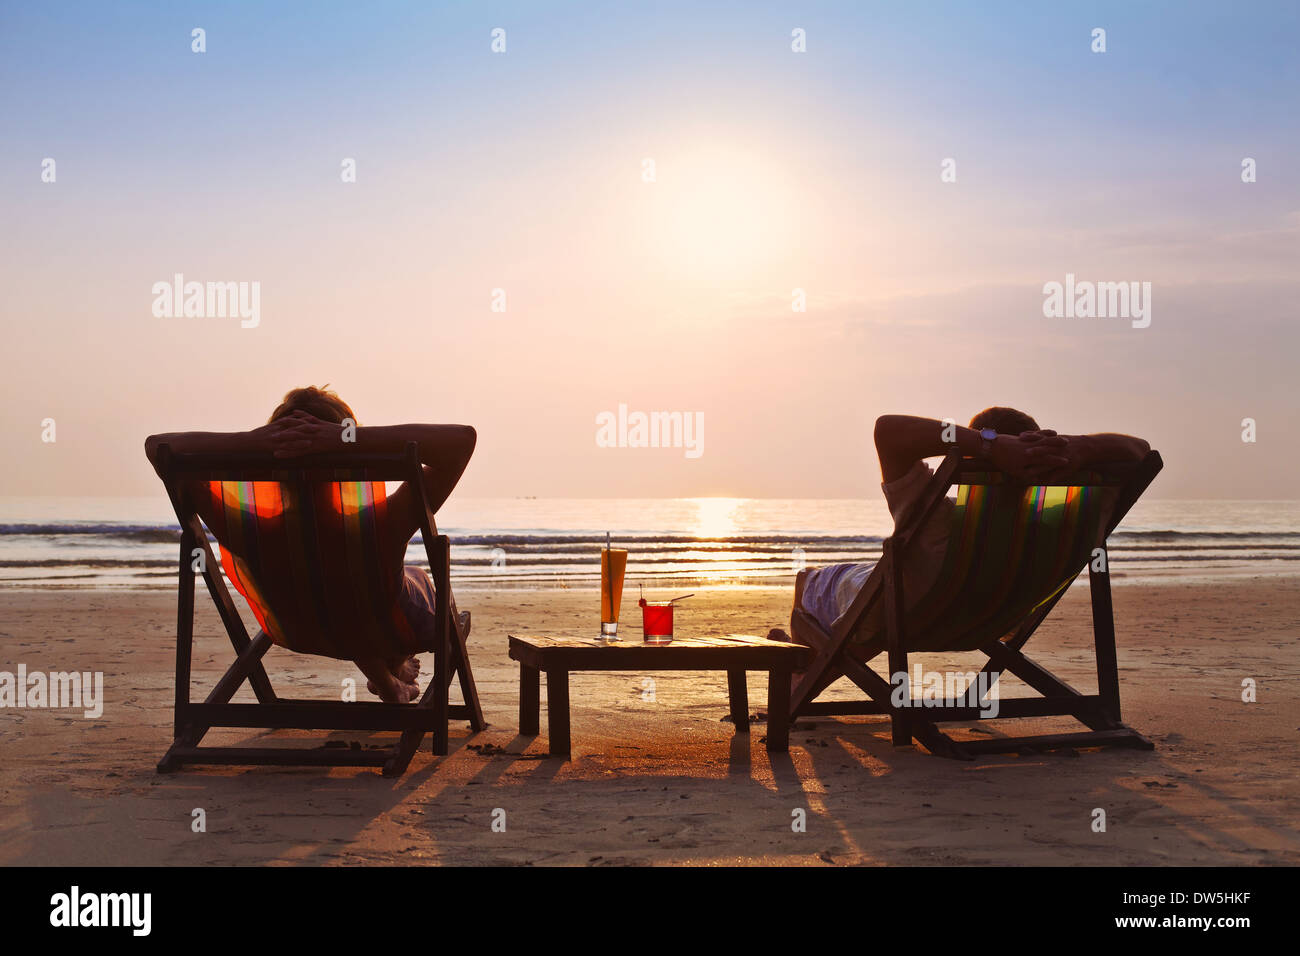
300,541
1013,553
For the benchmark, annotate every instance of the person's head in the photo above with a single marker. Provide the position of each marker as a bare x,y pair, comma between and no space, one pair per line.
1004,421
318,402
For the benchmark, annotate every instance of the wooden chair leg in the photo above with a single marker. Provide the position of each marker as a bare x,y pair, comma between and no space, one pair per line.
900,730
239,639
181,735
900,718
464,673
822,672
184,633
439,686
936,741
1103,628
410,741
405,750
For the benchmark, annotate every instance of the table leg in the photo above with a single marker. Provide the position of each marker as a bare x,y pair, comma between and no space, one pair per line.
738,693
778,710
557,712
530,700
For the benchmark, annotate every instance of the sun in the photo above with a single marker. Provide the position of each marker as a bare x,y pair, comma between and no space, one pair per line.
721,212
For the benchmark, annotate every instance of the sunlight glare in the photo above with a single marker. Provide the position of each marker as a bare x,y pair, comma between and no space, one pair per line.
722,212
715,517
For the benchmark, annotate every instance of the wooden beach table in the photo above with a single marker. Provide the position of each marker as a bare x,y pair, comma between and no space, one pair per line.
735,653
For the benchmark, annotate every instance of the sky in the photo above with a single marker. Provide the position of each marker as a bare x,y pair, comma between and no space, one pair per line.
526,171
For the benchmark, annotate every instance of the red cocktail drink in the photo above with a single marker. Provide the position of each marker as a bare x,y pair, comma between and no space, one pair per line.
657,621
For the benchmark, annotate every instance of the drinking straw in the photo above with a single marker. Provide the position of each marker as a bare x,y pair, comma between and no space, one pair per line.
682,598
609,575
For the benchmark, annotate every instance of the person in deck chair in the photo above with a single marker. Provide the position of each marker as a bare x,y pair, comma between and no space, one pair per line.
310,420
1008,439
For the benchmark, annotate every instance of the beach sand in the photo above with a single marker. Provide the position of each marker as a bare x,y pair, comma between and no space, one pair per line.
664,780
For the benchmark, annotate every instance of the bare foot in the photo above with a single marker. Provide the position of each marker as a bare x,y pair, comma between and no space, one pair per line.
408,693
399,691
405,669
388,687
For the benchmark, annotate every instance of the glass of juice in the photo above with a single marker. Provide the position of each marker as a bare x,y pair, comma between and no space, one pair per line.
656,622
613,562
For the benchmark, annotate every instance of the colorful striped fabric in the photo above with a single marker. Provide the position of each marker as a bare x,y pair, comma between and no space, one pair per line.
307,559
1012,549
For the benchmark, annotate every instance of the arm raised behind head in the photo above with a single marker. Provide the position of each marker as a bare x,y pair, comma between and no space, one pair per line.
259,440
903,440
445,450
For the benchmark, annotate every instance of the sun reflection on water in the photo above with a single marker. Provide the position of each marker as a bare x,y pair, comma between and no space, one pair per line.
715,517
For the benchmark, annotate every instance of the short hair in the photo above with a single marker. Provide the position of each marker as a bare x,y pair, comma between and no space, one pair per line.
318,402
1004,421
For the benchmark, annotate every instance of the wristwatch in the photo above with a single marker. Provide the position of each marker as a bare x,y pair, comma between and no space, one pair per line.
986,445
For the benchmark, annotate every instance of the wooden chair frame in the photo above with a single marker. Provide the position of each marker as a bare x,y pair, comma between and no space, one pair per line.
193,720
836,657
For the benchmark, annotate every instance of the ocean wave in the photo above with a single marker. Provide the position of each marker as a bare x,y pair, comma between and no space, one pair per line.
171,533
151,534
72,562
737,562
1216,535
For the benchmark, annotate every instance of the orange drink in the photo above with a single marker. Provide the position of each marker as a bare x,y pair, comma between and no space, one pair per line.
613,562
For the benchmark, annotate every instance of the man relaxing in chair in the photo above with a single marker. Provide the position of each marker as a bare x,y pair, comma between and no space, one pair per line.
310,420
1009,440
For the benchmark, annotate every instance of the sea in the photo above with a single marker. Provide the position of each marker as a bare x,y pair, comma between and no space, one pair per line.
673,544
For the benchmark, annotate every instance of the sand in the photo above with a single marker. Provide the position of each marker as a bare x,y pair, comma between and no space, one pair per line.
664,780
